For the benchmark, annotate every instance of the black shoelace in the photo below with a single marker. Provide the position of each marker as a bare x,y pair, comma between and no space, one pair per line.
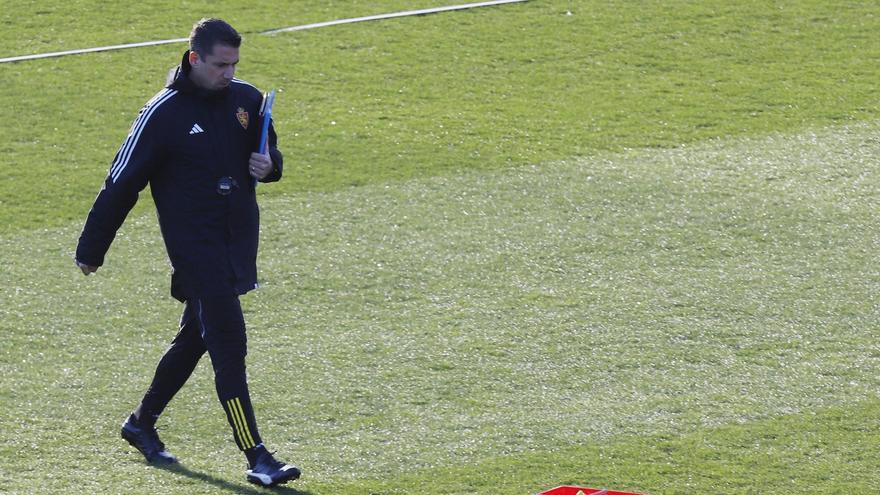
270,460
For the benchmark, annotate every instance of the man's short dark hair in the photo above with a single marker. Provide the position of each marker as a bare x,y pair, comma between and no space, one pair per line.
208,32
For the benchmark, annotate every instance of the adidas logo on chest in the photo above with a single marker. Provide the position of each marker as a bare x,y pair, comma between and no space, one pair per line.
196,129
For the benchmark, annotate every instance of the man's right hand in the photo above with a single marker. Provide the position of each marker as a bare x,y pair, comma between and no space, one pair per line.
86,269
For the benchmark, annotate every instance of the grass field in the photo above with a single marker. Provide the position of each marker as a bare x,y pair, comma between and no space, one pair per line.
514,248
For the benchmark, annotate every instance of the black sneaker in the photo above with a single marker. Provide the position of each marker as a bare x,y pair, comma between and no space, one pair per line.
147,441
269,472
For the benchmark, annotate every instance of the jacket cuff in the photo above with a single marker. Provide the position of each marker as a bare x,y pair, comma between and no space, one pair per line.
277,166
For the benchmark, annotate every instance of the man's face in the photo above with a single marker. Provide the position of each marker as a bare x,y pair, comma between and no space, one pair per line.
214,71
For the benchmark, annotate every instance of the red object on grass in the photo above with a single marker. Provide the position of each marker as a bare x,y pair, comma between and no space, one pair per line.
580,490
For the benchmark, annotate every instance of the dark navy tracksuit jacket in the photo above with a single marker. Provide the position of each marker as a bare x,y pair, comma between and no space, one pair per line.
184,143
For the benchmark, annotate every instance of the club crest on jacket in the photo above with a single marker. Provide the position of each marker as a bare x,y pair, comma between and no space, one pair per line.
243,117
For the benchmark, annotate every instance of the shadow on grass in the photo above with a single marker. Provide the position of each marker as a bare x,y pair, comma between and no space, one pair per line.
182,470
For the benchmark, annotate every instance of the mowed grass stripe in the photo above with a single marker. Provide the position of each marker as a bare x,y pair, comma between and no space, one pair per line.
826,450
442,321
48,27
487,89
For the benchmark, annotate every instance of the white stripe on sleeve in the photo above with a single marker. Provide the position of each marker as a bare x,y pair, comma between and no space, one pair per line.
134,129
124,154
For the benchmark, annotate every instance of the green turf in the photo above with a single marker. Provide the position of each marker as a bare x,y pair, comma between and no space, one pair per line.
486,89
33,27
487,318
630,247
824,451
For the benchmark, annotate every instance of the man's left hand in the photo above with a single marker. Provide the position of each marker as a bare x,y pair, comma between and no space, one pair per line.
260,166
86,269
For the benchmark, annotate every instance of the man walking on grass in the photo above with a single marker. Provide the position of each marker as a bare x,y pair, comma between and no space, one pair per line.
194,143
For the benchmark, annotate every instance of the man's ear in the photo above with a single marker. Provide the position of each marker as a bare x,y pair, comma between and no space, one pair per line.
193,57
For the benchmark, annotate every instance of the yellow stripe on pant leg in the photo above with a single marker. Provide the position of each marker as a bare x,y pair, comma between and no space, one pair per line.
246,439
236,429
247,428
238,424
